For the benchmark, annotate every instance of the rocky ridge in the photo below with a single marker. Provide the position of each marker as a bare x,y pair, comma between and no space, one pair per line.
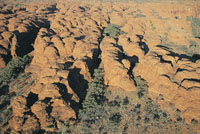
66,40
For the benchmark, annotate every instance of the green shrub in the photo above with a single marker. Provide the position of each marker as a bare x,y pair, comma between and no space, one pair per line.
137,13
94,97
13,68
182,49
153,27
140,15
66,128
195,23
158,15
141,86
4,116
115,118
108,111
10,72
194,122
119,114
194,47
113,31
176,47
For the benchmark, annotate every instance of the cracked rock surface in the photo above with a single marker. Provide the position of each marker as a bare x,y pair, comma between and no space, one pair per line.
66,40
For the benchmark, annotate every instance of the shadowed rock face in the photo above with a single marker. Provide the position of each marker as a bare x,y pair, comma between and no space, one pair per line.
18,27
66,40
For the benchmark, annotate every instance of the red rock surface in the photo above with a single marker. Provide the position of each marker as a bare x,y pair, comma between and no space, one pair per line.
66,46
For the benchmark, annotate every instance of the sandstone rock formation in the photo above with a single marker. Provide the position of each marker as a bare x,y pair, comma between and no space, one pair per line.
18,30
67,43
115,71
178,80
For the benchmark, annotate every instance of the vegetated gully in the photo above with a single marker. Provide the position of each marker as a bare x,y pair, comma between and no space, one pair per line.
132,59
74,74
26,46
26,41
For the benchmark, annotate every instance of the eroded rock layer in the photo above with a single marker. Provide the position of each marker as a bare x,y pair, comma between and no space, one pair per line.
66,41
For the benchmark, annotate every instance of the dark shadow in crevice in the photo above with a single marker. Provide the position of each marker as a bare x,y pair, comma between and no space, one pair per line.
4,49
94,62
52,9
7,57
57,51
31,99
77,82
193,87
67,97
4,90
67,65
49,108
40,131
142,44
164,47
182,69
90,63
133,60
192,58
80,37
118,46
144,47
167,76
9,11
191,79
63,91
82,9
4,103
196,57
162,60
47,100
118,53
5,97
26,39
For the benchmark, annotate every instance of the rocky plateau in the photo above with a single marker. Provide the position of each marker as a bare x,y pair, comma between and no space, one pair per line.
66,42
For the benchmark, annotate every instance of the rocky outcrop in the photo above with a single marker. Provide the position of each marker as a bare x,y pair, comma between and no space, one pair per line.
67,43
115,71
178,80
18,29
64,57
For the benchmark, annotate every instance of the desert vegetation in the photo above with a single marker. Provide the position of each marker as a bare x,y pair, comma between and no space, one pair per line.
195,23
106,111
8,75
112,31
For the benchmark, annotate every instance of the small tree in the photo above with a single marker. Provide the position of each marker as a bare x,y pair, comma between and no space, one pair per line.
92,105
